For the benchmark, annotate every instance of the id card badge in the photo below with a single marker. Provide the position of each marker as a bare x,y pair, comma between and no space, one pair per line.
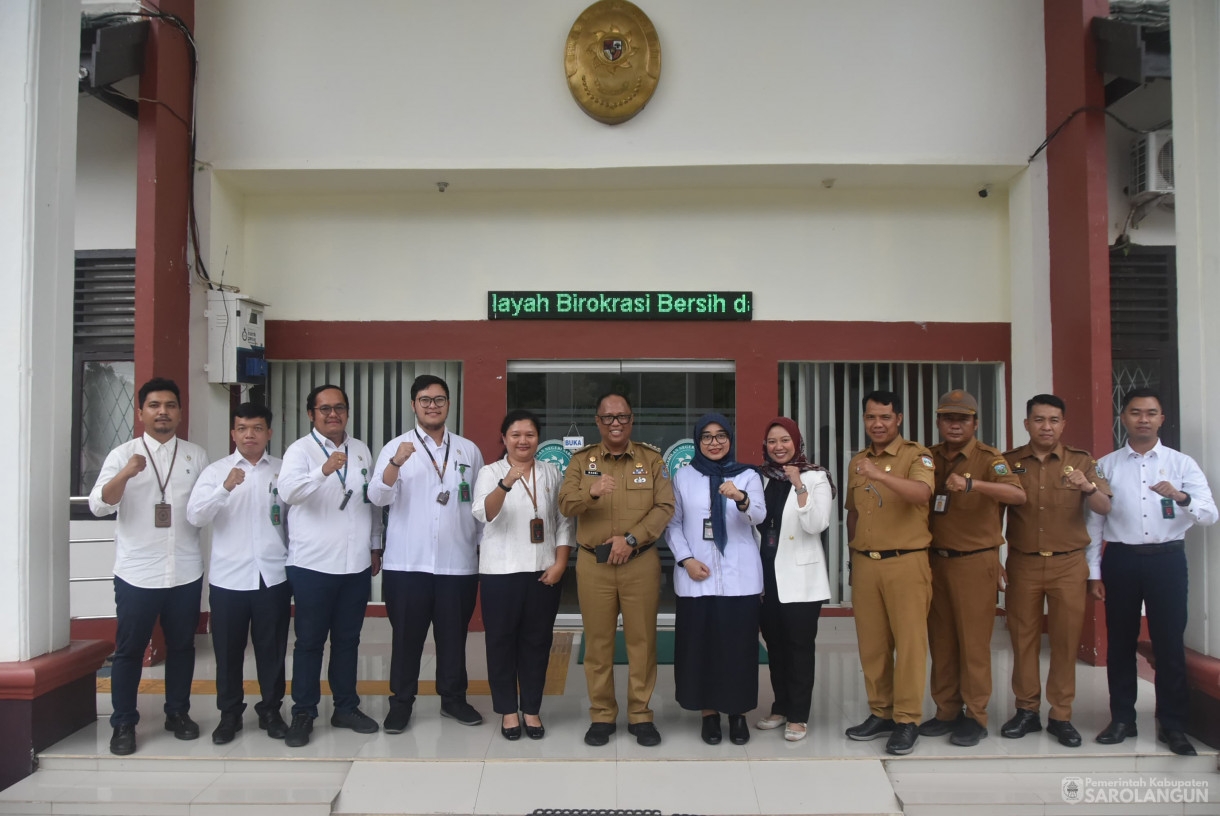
442,497
277,516
708,535
162,515
464,488
1167,508
941,504
537,531
365,473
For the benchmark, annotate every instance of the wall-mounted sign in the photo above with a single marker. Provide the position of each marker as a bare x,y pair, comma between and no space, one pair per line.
613,60
620,305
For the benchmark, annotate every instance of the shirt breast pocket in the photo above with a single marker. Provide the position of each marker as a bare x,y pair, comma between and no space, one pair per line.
1065,496
639,493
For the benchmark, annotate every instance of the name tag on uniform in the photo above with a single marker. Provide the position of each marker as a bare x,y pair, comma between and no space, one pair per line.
537,531
941,503
162,515
1166,508
708,535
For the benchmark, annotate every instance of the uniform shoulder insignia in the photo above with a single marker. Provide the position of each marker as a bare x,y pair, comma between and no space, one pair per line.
1000,466
652,448
927,461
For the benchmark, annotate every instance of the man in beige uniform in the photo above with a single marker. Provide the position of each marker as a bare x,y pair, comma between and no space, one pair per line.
1047,537
973,483
621,496
888,487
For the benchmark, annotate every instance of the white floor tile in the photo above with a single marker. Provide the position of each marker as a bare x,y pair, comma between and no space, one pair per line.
410,787
692,787
815,787
523,787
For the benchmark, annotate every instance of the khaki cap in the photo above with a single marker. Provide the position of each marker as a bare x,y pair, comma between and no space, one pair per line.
958,402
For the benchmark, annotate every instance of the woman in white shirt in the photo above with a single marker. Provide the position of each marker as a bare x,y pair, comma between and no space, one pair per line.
718,579
798,497
522,558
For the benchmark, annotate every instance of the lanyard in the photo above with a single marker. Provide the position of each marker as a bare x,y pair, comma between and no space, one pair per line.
341,474
533,494
156,472
440,472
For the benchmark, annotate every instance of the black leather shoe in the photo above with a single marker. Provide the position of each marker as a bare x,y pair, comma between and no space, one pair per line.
1022,723
645,733
739,732
123,742
397,719
512,733
229,725
1068,736
871,728
711,729
354,719
461,711
1176,740
273,723
968,732
902,740
599,733
182,725
1116,732
933,727
299,731
535,731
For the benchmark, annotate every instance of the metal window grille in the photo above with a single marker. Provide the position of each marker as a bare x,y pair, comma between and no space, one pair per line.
824,399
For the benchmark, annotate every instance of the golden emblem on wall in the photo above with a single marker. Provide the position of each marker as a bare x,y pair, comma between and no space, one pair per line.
613,60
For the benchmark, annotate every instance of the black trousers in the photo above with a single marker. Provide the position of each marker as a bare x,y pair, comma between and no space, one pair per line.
1157,581
791,632
716,653
413,602
137,610
260,616
519,616
327,606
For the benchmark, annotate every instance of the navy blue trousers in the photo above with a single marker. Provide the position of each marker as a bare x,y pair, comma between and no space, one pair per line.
413,602
519,618
1158,581
327,605
137,611
260,616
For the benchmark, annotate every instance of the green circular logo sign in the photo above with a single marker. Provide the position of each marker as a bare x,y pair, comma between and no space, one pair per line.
552,451
679,455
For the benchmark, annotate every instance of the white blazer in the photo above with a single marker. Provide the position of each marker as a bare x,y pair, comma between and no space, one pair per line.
800,565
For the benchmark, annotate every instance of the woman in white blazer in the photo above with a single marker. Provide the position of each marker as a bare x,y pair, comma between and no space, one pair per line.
798,495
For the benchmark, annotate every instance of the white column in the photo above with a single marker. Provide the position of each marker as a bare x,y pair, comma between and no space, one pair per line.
1195,43
39,47
1029,262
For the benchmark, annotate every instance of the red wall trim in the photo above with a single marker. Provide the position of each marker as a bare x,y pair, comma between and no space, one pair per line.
30,679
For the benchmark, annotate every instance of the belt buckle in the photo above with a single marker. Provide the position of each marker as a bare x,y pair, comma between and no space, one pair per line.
1045,553
943,553
873,554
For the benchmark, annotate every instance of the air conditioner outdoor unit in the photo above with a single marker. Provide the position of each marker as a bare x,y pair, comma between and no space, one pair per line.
1152,163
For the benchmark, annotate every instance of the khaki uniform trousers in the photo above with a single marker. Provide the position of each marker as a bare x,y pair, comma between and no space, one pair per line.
960,625
890,599
605,590
1061,579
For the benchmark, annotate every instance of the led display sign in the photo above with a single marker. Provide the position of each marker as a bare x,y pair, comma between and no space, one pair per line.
620,305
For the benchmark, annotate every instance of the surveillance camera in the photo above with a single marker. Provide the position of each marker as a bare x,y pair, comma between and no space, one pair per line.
985,191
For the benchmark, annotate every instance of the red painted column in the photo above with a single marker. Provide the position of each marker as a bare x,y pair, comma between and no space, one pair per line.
1079,254
163,281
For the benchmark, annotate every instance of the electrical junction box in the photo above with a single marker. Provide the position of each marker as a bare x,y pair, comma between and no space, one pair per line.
236,339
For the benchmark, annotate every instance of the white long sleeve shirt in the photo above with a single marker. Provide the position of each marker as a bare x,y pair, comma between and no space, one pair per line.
322,537
145,555
736,571
1137,515
506,546
246,543
423,535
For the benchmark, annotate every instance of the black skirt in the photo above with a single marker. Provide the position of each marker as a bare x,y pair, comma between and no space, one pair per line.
716,653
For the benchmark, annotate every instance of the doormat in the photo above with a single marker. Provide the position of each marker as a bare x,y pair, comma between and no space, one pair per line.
665,649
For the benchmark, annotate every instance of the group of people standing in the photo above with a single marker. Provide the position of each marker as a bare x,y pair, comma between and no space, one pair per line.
746,542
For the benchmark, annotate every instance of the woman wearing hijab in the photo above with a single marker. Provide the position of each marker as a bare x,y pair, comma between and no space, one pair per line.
798,496
717,580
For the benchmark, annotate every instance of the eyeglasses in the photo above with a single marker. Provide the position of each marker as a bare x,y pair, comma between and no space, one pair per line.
327,410
610,419
708,438
428,402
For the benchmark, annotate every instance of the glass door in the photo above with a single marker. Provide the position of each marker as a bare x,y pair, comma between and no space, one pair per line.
667,396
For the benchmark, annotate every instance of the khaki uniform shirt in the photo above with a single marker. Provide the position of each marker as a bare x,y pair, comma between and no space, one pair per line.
971,521
1053,516
642,502
884,521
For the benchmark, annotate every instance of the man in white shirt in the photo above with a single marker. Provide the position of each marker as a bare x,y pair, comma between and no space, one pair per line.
1159,494
248,591
334,549
431,562
158,567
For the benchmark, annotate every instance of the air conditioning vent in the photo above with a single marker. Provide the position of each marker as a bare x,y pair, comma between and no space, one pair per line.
1152,163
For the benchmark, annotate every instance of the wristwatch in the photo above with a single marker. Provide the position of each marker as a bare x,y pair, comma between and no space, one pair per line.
1185,503
802,490
631,540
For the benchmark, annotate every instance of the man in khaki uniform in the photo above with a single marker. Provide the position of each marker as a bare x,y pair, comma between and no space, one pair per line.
621,496
973,483
1047,538
888,487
